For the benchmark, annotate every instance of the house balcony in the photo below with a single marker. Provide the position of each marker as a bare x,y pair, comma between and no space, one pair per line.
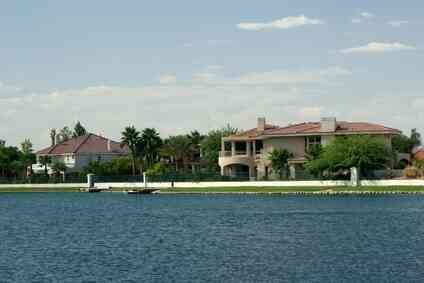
239,157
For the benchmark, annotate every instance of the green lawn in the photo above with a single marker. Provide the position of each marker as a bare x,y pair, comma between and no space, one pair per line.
38,190
294,190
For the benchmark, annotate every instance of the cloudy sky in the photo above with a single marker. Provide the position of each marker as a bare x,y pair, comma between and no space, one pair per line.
190,64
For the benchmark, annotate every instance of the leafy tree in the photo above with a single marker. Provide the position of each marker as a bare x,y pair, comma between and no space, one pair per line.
131,138
177,148
79,130
157,169
279,160
364,152
65,134
402,144
27,157
8,157
211,144
26,146
150,146
314,152
415,138
58,167
117,166
196,139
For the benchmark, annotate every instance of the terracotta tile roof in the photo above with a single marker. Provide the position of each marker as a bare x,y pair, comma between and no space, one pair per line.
89,143
309,128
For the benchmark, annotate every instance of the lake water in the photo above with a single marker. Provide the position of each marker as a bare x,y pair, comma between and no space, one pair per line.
113,237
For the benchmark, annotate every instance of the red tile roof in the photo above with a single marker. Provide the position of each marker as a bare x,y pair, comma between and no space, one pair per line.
311,128
89,143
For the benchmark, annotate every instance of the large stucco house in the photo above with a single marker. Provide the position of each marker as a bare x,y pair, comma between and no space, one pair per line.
77,152
247,153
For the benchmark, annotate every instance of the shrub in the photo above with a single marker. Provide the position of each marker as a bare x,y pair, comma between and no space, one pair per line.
411,172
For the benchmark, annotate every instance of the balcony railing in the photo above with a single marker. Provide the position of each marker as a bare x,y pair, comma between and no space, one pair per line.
228,153
225,153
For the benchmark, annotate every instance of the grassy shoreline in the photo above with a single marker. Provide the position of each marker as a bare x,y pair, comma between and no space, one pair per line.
251,190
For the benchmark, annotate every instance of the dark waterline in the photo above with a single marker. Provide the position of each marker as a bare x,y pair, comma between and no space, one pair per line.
194,238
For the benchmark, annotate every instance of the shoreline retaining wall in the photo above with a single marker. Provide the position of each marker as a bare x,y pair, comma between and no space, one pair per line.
265,184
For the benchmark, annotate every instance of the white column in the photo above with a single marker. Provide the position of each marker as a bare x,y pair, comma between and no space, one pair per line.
248,153
354,177
90,180
292,172
253,148
233,148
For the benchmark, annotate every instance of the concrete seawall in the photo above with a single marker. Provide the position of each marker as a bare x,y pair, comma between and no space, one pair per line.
264,184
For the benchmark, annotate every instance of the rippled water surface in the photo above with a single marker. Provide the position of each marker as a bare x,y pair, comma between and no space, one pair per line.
111,237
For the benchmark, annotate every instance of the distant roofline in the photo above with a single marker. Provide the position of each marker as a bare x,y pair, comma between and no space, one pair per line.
273,131
50,149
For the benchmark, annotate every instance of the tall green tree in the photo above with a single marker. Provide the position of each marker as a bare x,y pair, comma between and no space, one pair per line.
179,149
211,145
26,146
415,138
131,138
58,167
8,157
79,130
150,143
196,139
363,152
402,144
65,134
279,161
28,157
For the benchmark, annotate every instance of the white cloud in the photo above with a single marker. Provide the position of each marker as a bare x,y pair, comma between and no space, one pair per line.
168,79
378,47
284,23
367,15
363,16
205,77
210,101
178,108
397,24
290,77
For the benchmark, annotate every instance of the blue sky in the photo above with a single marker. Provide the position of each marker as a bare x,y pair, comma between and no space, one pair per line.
179,65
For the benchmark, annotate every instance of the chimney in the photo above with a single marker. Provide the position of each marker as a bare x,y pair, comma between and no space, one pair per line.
261,124
328,124
58,139
109,146
53,137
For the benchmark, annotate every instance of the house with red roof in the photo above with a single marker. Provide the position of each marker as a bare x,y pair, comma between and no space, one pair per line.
78,152
246,153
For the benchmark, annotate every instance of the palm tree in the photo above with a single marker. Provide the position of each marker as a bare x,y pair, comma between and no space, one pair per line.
79,130
279,160
131,138
179,148
151,144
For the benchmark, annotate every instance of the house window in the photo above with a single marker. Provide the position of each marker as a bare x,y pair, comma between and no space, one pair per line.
312,142
259,146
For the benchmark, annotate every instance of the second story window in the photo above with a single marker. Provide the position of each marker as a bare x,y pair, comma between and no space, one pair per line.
259,146
312,142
